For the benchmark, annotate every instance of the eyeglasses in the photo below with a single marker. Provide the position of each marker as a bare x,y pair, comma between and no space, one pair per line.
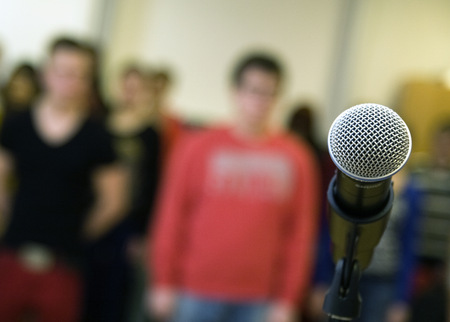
259,92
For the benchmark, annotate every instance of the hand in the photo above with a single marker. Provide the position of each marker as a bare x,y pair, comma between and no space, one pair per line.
398,312
162,302
314,303
281,313
136,249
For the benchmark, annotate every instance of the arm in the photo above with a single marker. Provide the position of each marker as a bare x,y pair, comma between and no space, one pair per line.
408,238
169,232
142,208
300,243
6,166
110,183
8,130
143,204
399,311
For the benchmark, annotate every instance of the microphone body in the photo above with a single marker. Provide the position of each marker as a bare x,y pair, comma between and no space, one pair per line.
368,143
361,209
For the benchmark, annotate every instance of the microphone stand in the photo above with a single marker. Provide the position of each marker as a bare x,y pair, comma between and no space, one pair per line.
342,301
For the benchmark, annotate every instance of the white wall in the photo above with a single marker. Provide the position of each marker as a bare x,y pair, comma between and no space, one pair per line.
397,40
124,35
28,26
201,40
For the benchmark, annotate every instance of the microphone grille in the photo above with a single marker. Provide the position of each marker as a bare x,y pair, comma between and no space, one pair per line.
369,142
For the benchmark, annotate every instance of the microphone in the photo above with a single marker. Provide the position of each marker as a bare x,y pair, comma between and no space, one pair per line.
368,143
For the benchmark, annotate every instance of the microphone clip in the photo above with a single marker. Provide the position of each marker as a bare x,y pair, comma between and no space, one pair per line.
354,239
343,301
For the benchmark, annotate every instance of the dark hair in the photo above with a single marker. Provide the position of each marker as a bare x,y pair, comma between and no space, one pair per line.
27,70
301,119
71,44
260,61
163,75
131,68
443,128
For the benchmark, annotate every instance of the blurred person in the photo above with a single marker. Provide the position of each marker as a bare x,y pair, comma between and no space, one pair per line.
170,127
162,83
137,141
138,145
104,267
386,286
115,279
70,191
1,96
99,109
21,90
302,123
433,181
135,101
236,224
1,69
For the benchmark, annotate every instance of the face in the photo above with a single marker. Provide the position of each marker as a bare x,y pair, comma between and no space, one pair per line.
131,85
135,89
256,95
21,89
68,75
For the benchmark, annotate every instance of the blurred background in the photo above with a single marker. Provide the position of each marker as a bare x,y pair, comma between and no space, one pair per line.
338,53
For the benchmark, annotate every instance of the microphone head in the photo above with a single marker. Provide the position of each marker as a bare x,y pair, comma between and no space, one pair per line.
369,142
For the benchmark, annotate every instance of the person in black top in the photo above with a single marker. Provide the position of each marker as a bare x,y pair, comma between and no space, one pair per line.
70,190
115,272
138,146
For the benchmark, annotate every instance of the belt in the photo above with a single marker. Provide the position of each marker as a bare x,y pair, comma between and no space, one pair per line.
36,257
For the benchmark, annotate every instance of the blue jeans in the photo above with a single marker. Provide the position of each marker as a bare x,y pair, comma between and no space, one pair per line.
198,309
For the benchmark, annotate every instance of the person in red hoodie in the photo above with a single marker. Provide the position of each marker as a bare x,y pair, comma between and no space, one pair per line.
235,234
